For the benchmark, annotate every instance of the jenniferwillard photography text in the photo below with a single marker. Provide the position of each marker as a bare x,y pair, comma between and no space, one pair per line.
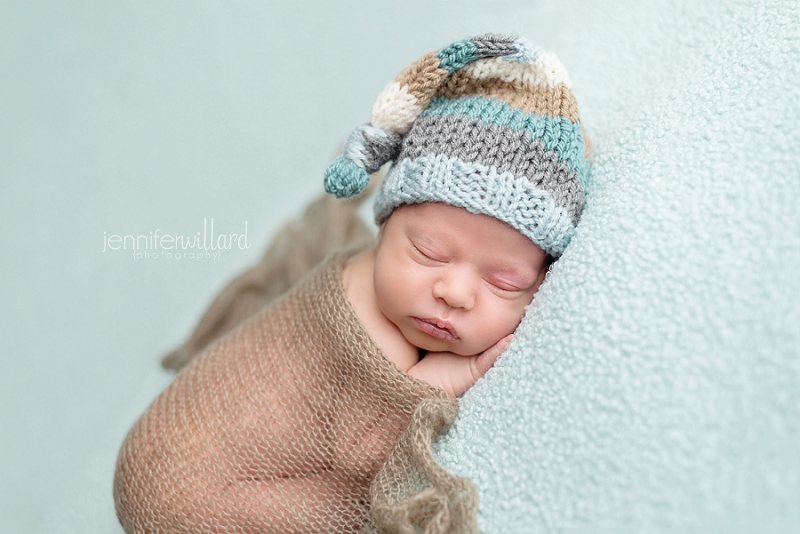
167,246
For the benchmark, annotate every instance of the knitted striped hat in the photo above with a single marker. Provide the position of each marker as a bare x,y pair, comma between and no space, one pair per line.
489,124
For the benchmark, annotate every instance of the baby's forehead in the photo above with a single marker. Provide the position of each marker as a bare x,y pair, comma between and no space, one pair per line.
438,215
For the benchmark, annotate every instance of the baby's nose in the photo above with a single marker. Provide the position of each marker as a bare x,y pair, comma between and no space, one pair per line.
455,292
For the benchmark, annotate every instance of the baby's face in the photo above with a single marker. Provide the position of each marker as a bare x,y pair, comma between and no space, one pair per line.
452,280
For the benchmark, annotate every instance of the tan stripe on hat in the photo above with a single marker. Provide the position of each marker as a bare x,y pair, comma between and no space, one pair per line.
423,77
541,99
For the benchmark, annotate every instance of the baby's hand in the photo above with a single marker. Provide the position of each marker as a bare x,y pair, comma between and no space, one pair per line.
455,373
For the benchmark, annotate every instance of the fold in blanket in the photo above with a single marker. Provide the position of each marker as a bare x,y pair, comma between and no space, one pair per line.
284,424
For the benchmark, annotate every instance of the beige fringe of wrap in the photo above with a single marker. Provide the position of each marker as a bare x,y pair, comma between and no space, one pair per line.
293,422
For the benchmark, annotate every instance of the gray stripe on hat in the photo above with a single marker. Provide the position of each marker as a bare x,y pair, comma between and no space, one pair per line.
379,147
509,150
494,45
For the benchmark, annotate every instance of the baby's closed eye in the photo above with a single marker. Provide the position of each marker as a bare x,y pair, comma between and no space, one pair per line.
429,254
508,286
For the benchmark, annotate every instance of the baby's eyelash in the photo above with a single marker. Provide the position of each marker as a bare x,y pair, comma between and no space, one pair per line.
420,252
426,256
505,290
502,289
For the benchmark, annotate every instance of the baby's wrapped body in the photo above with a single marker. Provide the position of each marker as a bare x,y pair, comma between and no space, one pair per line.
281,426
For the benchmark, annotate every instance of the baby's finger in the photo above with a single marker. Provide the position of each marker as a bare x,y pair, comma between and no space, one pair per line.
486,360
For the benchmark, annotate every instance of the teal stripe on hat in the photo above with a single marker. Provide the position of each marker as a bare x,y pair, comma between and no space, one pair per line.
557,133
454,56
479,189
458,54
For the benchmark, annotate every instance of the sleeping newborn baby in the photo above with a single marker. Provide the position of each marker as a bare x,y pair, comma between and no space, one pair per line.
451,283
316,415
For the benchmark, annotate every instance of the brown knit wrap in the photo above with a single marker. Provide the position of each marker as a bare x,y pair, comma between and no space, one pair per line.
284,424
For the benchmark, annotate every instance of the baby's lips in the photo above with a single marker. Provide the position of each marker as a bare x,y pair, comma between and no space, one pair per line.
437,328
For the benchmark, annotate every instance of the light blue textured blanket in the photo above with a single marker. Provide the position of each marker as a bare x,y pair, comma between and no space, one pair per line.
654,384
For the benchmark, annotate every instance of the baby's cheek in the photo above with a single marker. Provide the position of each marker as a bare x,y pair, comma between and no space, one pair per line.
502,319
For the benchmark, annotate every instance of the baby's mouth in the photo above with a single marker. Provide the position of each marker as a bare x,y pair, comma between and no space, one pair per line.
437,328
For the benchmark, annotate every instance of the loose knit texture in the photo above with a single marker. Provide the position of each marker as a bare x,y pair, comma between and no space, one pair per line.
284,424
